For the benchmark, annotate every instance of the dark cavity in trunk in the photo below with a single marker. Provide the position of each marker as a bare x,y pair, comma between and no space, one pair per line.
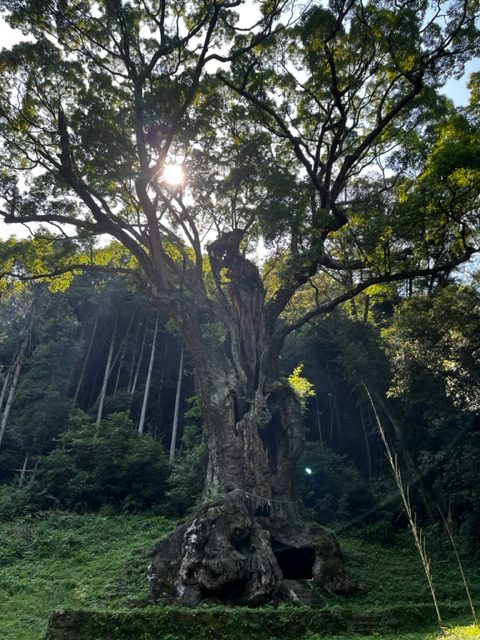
295,563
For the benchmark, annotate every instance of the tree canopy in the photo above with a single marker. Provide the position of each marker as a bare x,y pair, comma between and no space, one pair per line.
316,129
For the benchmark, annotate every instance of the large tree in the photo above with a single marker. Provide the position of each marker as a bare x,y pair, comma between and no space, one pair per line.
284,119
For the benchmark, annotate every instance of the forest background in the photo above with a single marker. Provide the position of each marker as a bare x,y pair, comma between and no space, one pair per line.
89,367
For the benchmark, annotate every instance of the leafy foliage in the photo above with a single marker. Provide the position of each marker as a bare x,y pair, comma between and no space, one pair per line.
114,467
186,480
286,143
302,387
333,488
65,560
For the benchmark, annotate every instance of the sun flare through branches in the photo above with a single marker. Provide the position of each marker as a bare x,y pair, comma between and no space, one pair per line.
173,175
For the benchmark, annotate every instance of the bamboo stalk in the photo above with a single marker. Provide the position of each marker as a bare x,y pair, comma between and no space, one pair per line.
139,363
106,375
85,361
17,367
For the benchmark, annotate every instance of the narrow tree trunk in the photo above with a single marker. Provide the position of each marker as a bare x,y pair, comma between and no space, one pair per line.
366,309
366,441
119,371
139,363
148,382
173,441
4,390
121,351
74,364
133,359
106,376
319,423
159,410
331,405
85,360
13,387
338,421
24,469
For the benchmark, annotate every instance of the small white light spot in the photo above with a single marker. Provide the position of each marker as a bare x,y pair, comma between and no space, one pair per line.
308,471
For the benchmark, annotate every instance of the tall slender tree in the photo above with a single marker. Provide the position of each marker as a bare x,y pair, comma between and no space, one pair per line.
106,376
173,441
10,396
85,359
148,381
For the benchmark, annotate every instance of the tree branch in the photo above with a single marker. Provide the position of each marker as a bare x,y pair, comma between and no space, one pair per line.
325,308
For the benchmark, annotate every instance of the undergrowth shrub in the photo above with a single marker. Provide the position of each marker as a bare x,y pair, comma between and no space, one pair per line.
188,472
14,501
112,467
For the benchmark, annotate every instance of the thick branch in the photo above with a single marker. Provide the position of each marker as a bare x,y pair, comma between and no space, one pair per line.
325,308
70,269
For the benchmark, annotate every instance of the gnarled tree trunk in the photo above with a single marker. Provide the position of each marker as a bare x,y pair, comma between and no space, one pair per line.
250,537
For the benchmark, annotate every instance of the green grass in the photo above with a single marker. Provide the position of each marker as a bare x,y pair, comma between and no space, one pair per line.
391,574
459,632
71,561
63,561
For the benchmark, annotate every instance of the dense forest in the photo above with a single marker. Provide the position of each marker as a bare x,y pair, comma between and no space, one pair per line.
94,382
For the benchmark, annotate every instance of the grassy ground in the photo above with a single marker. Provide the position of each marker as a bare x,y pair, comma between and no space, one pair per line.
390,573
82,562
458,632
70,561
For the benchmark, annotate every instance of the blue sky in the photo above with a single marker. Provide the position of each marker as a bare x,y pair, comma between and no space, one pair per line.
457,89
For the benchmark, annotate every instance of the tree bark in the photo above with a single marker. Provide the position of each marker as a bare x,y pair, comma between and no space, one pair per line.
250,536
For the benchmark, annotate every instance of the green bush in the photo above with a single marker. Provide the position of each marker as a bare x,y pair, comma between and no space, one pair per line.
187,477
14,501
89,470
